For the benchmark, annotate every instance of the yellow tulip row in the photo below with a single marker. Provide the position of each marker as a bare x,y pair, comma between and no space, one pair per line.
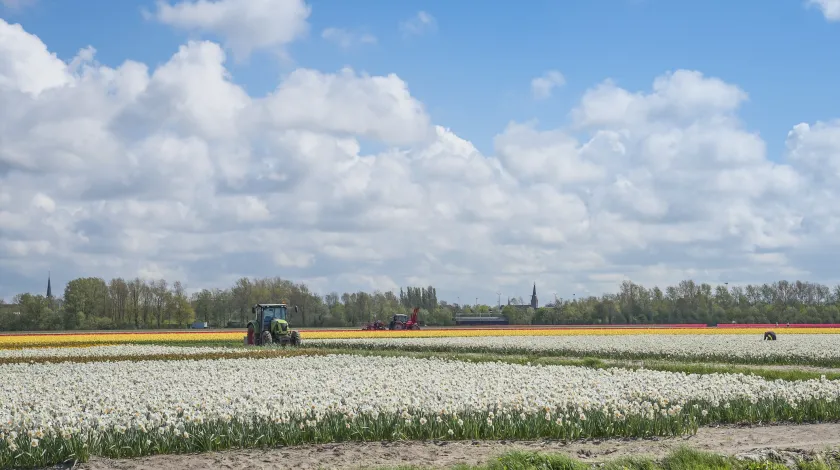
86,339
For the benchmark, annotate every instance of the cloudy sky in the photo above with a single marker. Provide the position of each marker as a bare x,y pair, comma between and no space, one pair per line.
475,146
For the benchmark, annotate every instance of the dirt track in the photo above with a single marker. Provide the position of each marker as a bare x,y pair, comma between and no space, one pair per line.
799,440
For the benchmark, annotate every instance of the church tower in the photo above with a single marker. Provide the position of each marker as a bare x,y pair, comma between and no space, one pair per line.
534,297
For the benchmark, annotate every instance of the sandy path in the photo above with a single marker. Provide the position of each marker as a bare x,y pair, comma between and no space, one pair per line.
733,441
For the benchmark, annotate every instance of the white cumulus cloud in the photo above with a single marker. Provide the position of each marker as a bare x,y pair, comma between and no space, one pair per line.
421,23
346,39
16,4
829,8
176,171
243,25
543,86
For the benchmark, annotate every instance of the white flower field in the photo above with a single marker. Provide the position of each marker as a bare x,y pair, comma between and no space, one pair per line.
792,349
118,350
96,405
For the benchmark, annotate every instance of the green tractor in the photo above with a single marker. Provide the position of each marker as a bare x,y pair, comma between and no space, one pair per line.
270,326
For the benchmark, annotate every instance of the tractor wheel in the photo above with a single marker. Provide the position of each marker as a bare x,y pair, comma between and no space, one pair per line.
399,326
415,327
266,338
295,338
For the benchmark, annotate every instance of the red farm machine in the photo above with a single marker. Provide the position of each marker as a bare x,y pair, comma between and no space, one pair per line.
399,321
402,322
375,325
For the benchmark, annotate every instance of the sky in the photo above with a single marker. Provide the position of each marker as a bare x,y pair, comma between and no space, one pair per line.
479,147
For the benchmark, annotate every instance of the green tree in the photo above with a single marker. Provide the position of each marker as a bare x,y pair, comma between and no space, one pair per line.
85,300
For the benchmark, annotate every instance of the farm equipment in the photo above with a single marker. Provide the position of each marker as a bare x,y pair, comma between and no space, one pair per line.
402,322
375,325
270,326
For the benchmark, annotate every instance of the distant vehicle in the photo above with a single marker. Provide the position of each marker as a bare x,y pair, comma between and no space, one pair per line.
199,325
402,322
375,325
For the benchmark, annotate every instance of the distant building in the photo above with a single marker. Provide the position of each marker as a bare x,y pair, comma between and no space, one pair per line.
534,297
534,302
489,320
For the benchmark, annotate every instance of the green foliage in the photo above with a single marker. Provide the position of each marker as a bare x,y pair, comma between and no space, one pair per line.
535,461
85,296
419,297
820,463
762,465
631,463
30,312
689,459
93,303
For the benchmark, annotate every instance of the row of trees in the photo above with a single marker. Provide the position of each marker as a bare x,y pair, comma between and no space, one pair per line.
689,302
93,303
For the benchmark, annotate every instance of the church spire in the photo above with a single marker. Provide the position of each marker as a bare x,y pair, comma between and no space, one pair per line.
49,285
534,297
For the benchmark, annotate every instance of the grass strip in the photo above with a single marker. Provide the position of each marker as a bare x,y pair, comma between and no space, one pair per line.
680,459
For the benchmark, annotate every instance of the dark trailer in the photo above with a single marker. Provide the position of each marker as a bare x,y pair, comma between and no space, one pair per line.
481,321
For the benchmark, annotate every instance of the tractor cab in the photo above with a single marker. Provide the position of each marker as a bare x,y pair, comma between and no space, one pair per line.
398,322
270,312
401,321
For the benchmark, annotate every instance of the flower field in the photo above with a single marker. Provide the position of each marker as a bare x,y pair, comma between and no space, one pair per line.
818,349
66,397
136,352
235,336
121,409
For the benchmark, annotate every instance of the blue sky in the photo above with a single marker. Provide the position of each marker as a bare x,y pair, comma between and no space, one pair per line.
473,72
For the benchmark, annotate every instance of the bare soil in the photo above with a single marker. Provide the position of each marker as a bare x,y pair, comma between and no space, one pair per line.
749,442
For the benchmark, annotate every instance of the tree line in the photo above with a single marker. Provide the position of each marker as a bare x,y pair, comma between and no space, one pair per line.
690,302
92,303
